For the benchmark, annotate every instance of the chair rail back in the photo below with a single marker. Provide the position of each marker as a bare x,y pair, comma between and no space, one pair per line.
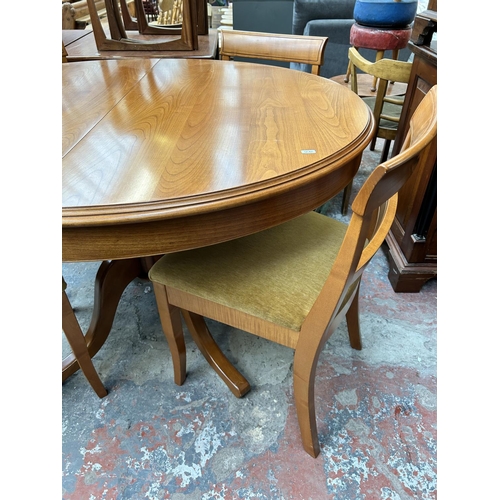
274,47
387,69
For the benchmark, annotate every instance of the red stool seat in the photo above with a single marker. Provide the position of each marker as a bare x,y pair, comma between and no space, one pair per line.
379,38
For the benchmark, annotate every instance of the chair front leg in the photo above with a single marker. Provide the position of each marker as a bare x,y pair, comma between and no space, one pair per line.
171,323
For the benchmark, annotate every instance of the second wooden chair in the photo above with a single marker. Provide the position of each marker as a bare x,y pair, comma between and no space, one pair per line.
273,47
386,109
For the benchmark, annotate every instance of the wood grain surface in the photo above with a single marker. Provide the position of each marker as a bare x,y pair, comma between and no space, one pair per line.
162,155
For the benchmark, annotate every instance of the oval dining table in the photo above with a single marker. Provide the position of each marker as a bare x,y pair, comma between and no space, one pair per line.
164,155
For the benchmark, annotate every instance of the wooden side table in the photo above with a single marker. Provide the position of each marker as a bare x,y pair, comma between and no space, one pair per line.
412,239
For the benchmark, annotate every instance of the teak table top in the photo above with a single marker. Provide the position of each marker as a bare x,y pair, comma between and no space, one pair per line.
211,149
162,155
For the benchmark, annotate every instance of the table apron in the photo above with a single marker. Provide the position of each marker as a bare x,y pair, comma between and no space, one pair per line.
141,239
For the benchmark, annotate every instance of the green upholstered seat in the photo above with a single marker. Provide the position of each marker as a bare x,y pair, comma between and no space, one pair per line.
276,274
389,109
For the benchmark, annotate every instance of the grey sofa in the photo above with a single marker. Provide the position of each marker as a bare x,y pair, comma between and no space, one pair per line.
331,18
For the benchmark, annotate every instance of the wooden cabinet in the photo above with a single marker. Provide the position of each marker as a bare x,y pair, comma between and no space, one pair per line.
412,239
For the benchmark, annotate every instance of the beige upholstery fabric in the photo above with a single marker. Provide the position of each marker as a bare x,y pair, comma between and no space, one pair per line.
276,274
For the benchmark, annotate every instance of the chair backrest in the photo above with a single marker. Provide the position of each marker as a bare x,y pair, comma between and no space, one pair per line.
274,47
386,70
374,209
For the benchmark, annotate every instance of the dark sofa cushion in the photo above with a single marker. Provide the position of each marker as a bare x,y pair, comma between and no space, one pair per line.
308,10
337,47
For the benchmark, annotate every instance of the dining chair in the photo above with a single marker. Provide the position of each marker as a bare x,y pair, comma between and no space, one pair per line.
292,284
386,108
76,341
273,47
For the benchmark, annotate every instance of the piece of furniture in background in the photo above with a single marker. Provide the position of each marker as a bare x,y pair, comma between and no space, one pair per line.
227,16
119,19
178,18
380,40
76,13
273,47
170,12
81,46
292,284
385,13
412,240
382,25
68,16
334,19
331,18
151,10
386,108
269,16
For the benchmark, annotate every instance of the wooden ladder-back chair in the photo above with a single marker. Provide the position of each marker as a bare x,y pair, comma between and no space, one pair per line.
78,344
386,109
274,47
292,284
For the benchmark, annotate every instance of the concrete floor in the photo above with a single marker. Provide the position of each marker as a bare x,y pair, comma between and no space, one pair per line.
150,439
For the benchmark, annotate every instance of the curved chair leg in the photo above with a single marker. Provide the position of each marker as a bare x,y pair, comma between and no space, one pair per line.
236,382
304,372
170,318
78,345
352,319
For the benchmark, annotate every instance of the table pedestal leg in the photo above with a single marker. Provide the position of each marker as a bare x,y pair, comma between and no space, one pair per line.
111,280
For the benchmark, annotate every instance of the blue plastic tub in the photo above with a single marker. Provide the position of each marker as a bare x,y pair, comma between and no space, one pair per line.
385,13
